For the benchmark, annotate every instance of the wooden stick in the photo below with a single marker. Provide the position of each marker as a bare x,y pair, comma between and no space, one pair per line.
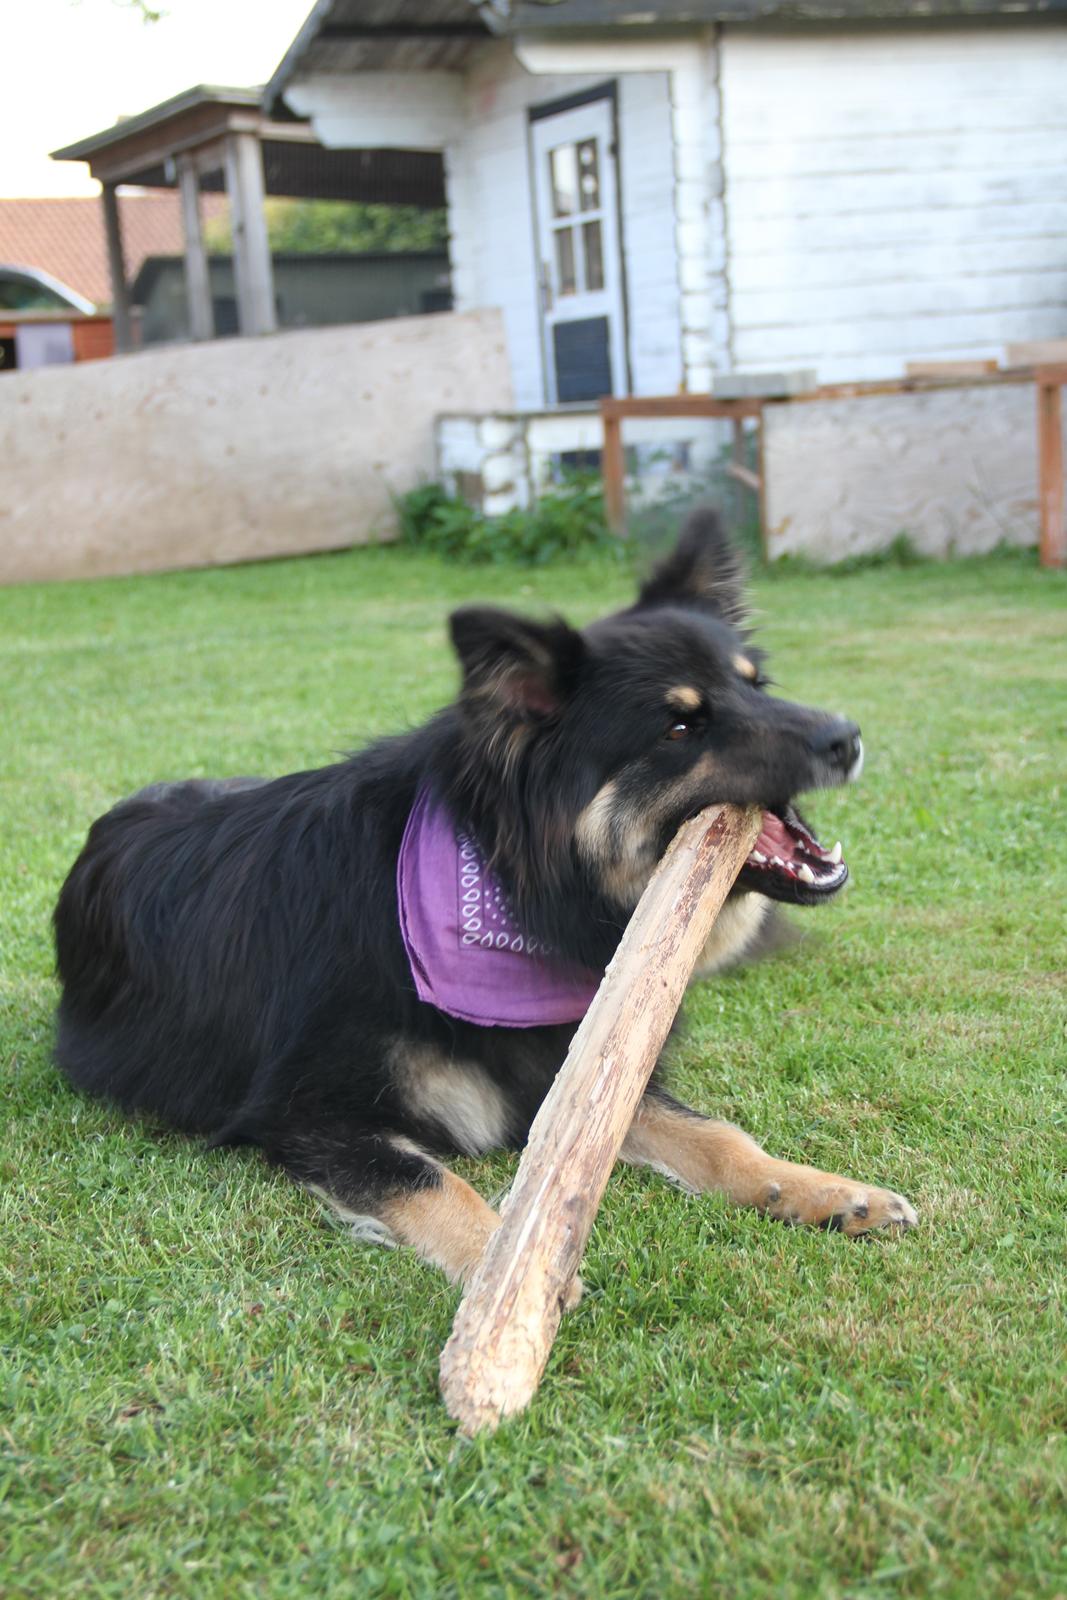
507,1320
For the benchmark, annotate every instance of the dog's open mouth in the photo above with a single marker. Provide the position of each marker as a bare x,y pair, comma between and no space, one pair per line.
788,862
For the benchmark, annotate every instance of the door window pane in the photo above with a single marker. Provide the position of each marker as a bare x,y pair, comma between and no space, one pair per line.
563,174
588,176
594,255
565,274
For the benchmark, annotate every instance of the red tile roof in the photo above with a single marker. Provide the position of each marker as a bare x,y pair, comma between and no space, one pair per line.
66,237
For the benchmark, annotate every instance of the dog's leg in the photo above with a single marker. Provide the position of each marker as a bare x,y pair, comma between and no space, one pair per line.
391,1192
704,1155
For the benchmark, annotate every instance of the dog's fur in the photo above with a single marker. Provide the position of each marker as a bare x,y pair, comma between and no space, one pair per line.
231,958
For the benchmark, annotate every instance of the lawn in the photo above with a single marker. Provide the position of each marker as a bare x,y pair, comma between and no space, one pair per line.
208,1390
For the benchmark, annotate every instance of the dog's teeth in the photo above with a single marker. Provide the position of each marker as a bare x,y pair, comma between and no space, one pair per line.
835,854
805,874
778,862
757,855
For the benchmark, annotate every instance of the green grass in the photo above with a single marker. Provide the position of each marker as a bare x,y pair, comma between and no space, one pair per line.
209,1391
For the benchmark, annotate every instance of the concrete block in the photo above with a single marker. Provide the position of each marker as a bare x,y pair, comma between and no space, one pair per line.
695,310
690,203
691,162
497,505
745,385
693,239
497,433
694,276
498,473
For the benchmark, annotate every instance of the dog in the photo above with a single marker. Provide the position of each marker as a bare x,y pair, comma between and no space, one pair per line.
368,968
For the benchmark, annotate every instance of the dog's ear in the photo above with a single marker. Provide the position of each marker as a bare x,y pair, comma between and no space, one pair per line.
526,668
703,570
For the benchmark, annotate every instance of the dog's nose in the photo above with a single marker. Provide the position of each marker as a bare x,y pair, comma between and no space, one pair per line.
838,742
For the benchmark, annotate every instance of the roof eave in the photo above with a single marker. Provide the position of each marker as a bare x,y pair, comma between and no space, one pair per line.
283,72
188,100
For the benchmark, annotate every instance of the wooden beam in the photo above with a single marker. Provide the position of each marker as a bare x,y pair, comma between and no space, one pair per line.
197,275
1052,550
251,247
120,293
678,405
507,1321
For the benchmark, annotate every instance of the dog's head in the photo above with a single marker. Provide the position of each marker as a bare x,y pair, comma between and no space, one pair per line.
593,747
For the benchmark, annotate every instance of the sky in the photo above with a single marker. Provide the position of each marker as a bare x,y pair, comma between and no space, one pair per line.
73,67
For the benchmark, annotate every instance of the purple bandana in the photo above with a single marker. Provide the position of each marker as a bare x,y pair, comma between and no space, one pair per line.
467,956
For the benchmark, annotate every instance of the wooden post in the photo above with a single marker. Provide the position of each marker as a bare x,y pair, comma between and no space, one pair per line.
613,469
507,1321
120,294
761,469
251,247
1053,545
197,274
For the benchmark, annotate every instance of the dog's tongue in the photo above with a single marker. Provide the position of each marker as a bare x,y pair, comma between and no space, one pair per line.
790,846
775,838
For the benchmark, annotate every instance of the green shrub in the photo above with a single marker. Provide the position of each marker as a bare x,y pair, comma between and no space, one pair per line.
567,521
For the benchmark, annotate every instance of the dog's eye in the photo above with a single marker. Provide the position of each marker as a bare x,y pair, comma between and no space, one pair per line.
680,730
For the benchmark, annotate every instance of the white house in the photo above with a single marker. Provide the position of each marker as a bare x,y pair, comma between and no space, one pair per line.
653,196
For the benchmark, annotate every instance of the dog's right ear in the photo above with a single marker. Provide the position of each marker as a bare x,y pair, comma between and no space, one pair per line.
526,668
703,570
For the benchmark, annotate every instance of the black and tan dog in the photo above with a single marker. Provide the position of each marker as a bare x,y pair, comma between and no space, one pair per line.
235,957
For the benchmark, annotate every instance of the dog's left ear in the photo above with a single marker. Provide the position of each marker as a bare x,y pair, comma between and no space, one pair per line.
703,570
525,668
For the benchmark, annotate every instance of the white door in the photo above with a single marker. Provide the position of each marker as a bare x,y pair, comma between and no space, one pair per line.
577,206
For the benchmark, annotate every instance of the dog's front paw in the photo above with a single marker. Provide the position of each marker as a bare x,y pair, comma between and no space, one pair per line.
821,1200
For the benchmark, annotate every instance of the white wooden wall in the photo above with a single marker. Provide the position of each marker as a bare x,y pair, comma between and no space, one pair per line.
893,194
480,120
491,215
650,253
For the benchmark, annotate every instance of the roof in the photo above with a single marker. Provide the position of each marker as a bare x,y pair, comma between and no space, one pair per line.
369,35
203,94
538,16
65,238
366,35
141,150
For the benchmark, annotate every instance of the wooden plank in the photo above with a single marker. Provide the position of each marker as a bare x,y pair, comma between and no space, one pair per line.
1052,550
120,293
850,391
678,405
1036,353
197,276
949,369
613,470
507,1321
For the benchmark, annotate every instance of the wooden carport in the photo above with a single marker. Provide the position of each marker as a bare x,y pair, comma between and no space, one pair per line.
218,138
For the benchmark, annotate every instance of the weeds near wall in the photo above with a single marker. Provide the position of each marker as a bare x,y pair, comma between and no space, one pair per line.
566,522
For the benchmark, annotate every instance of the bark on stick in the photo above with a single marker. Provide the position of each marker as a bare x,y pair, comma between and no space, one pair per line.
508,1318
